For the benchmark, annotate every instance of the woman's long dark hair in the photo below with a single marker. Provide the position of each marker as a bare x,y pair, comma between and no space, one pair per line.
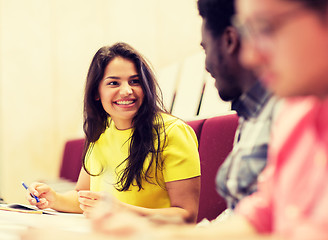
147,123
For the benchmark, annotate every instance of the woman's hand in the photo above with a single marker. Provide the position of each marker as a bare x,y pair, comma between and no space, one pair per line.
88,200
46,195
110,216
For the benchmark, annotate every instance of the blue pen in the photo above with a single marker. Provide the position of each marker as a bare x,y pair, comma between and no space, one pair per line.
32,195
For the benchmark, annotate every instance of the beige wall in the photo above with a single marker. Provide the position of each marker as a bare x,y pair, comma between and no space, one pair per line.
45,51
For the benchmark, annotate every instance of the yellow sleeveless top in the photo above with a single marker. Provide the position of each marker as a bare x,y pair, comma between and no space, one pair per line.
180,156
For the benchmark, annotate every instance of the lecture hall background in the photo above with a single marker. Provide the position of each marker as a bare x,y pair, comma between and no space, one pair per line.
45,51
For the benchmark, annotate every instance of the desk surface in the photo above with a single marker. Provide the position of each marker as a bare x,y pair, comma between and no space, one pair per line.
12,224
53,227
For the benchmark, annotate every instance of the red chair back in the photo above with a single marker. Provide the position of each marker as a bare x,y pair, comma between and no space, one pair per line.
72,159
215,144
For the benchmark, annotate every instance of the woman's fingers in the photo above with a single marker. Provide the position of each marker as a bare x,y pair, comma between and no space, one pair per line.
43,204
88,200
45,193
90,195
32,189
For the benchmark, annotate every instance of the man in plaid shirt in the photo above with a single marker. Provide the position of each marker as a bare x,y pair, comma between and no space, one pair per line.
254,105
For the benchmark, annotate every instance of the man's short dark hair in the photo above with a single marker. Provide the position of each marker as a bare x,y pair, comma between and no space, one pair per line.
217,13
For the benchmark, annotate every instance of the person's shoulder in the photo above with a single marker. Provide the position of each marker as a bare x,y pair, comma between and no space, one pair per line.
295,115
177,132
175,126
170,120
298,105
294,110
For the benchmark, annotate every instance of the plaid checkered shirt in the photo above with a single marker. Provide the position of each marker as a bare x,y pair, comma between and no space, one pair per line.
237,177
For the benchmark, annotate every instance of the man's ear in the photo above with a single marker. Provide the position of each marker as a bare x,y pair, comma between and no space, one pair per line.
231,40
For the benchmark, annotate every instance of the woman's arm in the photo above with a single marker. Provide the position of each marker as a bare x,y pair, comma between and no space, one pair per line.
68,202
184,198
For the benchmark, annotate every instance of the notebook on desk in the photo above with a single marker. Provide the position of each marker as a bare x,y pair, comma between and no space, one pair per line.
23,208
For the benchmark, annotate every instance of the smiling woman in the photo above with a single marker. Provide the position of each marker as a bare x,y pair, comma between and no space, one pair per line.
120,92
145,158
